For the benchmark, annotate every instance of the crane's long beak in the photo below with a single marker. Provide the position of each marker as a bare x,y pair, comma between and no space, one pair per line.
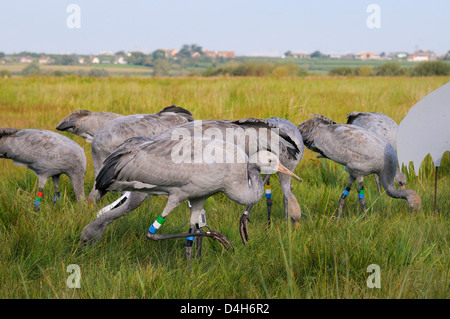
282,169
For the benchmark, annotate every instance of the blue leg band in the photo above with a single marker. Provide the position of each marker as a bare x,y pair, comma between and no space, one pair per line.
152,229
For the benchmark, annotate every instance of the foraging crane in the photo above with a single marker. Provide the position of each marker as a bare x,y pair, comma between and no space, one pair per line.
360,151
153,168
290,150
85,123
47,154
116,131
383,126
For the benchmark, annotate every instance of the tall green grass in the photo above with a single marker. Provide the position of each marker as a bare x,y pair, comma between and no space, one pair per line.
319,259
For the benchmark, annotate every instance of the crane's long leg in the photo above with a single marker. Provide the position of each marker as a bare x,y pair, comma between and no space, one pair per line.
244,220
377,181
92,232
38,200
351,180
360,189
268,195
197,221
57,194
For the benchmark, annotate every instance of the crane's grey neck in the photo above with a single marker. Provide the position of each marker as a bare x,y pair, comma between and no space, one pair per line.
250,192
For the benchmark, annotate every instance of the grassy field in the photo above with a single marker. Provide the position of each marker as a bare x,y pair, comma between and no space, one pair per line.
318,259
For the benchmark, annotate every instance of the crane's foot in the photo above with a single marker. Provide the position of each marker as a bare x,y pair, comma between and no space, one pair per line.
211,234
243,230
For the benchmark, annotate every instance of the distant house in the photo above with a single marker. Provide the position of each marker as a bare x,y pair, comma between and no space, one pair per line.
45,60
196,54
81,60
335,56
367,56
119,60
210,54
226,54
170,52
300,55
25,59
418,56
94,60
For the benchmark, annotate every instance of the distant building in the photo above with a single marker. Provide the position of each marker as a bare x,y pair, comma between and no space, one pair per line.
94,60
335,56
119,60
170,52
418,56
367,56
210,54
25,59
226,54
81,60
196,54
300,55
45,60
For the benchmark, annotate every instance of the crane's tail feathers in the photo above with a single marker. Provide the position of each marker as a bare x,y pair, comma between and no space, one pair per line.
352,116
293,149
111,169
174,109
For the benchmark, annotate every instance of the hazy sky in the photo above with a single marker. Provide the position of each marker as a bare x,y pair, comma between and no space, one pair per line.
248,27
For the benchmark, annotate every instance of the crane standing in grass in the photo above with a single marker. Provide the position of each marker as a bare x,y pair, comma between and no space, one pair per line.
383,126
47,154
360,151
243,133
150,167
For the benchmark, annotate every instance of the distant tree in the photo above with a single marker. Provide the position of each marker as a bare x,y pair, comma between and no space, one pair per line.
69,59
288,54
161,67
31,70
196,48
341,70
122,53
316,54
185,51
431,68
158,54
389,69
2,54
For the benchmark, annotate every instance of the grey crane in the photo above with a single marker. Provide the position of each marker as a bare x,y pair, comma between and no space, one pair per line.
360,151
47,154
290,149
116,131
85,123
383,126
150,167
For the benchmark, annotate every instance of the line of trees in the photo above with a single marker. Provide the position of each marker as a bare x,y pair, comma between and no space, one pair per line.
428,68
